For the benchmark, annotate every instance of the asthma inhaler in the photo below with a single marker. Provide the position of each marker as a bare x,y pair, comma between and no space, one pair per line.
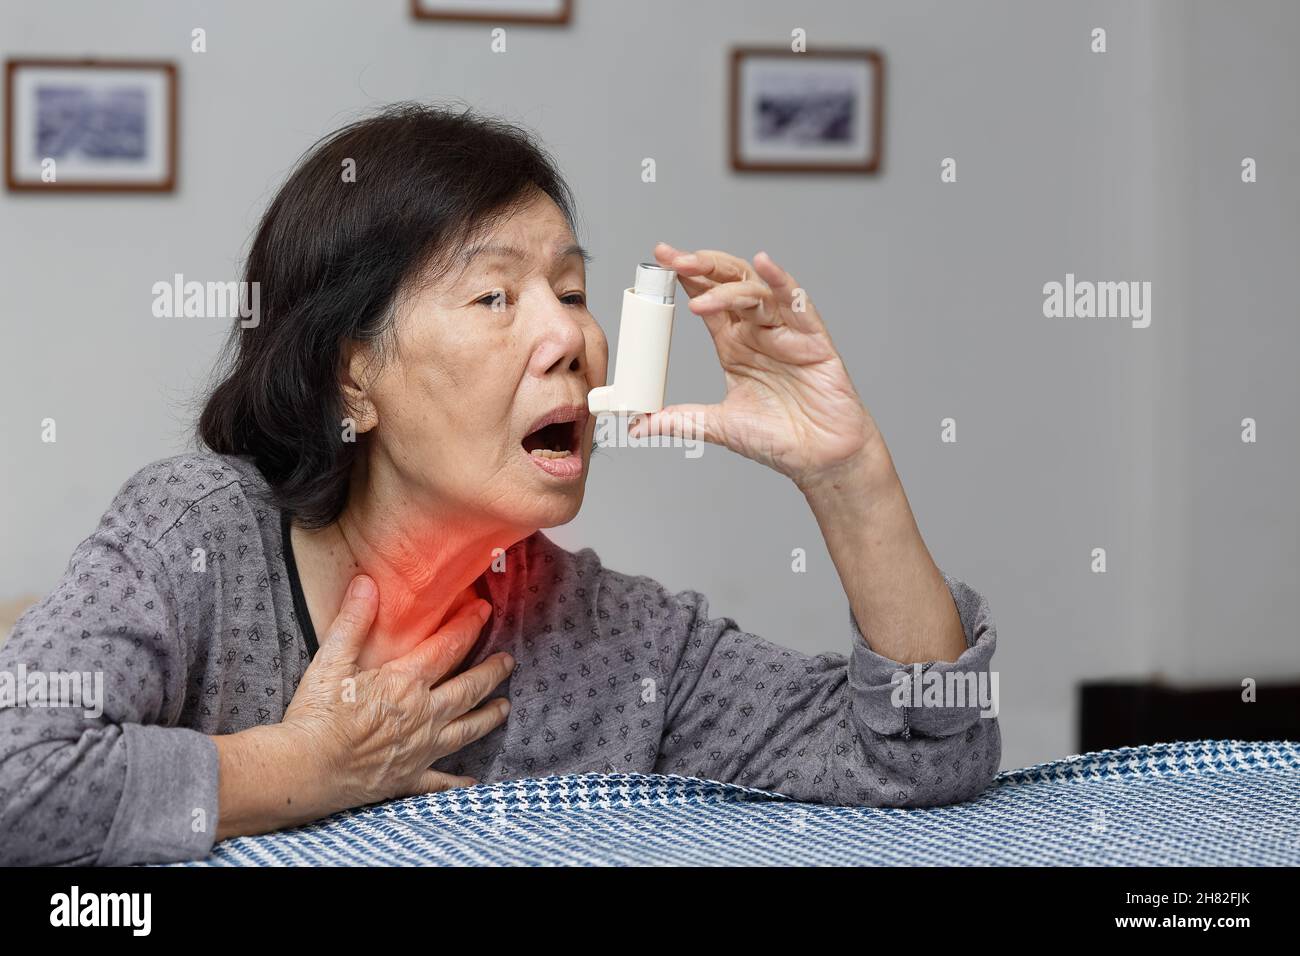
645,330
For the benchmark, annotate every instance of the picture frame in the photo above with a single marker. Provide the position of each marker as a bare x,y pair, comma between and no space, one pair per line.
820,111
90,125
539,12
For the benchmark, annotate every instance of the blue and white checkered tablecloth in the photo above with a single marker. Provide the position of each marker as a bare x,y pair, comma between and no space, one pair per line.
1198,803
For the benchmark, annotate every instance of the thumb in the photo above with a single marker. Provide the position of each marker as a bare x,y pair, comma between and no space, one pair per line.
689,422
432,781
351,625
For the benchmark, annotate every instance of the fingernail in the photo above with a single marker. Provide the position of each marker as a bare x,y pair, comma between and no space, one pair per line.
484,610
505,706
508,661
362,587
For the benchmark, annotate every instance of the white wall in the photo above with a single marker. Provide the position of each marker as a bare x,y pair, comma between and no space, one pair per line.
1072,434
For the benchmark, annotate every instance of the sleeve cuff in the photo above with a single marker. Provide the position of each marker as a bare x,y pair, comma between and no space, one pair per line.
895,699
168,809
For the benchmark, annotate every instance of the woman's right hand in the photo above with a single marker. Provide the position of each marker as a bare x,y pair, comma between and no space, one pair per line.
353,736
375,733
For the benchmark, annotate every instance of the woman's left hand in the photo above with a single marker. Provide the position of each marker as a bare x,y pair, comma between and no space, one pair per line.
790,404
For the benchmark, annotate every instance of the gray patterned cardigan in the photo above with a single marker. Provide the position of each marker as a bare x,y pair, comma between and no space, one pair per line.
614,673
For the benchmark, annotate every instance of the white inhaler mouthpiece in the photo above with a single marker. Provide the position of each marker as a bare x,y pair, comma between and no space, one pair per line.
645,331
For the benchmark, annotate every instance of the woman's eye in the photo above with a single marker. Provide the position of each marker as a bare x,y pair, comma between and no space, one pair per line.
499,300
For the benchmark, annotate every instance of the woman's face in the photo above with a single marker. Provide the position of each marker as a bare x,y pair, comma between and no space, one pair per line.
481,357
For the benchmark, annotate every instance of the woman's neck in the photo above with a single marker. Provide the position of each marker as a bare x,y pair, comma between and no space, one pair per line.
424,563
425,572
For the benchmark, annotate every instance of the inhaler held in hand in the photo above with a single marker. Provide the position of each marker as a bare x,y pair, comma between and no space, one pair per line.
645,330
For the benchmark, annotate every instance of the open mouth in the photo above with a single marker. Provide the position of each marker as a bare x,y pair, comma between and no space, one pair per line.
557,440
557,434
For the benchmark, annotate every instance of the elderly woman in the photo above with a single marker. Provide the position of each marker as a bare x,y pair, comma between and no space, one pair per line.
347,597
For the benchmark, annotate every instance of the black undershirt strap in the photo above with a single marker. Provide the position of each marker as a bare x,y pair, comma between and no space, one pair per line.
295,586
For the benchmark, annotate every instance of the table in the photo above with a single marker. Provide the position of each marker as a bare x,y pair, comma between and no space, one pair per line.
1204,803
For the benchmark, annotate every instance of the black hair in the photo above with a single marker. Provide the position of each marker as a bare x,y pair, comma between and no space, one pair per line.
330,257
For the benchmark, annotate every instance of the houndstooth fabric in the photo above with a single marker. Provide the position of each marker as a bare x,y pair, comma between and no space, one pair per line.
1203,803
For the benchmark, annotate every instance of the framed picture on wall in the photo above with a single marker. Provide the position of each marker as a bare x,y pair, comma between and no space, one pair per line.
494,11
90,125
806,112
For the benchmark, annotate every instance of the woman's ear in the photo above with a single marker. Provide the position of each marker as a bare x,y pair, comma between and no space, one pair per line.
357,375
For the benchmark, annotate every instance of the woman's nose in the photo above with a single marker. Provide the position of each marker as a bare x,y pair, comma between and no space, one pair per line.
561,343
